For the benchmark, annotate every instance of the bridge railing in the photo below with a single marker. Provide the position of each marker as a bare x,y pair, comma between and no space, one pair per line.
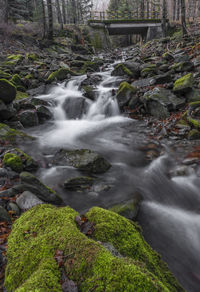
126,14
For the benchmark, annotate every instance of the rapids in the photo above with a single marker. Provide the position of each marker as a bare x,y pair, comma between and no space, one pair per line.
169,213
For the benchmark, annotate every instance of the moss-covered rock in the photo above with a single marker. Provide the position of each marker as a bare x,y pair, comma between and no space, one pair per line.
80,183
125,93
194,134
17,81
7,91
13,161
31,56
4,75
128,209
122,70
21,95
42,231
27,162
11,136
149,70
82,159
60,75
15,58
43,192
167,56
89,91
193,114
183,66
184,84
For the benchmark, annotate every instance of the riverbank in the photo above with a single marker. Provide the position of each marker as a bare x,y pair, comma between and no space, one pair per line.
77,125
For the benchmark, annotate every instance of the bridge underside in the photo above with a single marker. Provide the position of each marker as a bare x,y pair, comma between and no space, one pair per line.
147,30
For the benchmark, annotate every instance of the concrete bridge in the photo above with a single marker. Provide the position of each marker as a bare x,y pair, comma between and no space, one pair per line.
147,28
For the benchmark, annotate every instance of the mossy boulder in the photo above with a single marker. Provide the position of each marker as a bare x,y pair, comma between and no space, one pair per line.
17,81
184,84
80,183
149,70
122,70
125,93
82,159
4,75
21,95
27,162
194,134
182,66
15,58
7,91
160,101
40,233
13,161
33,184
193,114
89,92
11,136
60,75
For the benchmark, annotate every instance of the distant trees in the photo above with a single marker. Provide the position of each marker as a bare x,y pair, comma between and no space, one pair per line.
47,12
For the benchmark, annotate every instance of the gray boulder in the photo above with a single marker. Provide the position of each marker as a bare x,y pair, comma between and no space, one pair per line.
34,185
43,113
4,216
83,159
159,102
7,91
28,118
74,107
81,183
27,200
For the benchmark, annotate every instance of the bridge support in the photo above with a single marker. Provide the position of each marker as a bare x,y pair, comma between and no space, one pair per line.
154,32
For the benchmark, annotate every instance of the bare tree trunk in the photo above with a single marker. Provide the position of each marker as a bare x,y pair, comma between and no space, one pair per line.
64,12
59,14
148,9
43,18
183,20
174,10
50,19
142,9
178,10
6,10
164,18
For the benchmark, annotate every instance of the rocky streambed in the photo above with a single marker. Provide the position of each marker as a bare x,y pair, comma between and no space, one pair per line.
123,137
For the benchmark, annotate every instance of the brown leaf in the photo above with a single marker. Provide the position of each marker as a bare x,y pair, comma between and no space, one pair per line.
59,257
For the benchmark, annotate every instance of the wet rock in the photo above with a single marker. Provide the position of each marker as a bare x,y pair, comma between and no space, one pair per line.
194,135
43,113
184,84
89,92
26,162
28,118
125,93
193,114
11,136
149,70
4,216
193,95
159,101
83,159
81,183
3,172
163,78
128,209
6,111
183,66
144,82
14,208
34,185
60,75
123,70
7,91
91,80
28,200
74,107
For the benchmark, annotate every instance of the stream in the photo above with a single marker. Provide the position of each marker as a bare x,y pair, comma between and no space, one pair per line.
170,211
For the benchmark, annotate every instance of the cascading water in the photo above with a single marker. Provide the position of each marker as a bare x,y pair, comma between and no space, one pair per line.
169,214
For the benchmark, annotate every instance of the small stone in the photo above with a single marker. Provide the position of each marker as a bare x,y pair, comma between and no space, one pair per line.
27,200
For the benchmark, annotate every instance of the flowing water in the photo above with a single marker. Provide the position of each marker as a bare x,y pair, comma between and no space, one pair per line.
170,211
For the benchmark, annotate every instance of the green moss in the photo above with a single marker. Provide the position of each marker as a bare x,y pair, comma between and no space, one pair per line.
89,66
109,21
31,56
7,91
17,81
194,134
13,161
28,76
60,75
124,69
126,87
41,231
184,83
96,41
21,95
150,70
4,75
11,136
194,122
15,58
